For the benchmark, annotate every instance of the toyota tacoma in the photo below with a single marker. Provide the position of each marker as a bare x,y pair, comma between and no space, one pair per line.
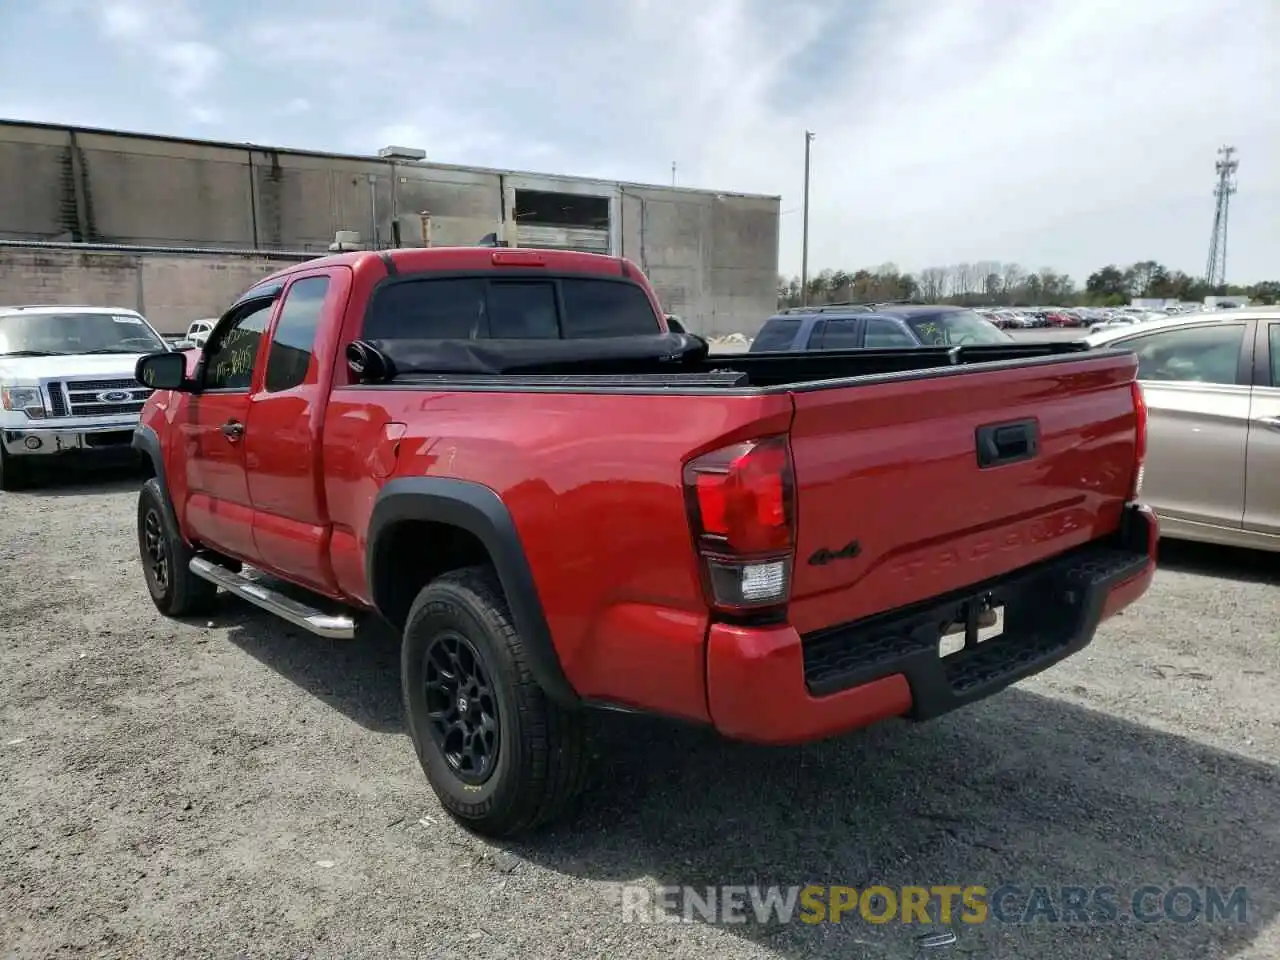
561,505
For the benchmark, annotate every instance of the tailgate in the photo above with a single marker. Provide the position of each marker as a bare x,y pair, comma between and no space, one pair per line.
894,505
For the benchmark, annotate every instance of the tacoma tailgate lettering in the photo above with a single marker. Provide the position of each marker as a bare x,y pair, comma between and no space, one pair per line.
1036,532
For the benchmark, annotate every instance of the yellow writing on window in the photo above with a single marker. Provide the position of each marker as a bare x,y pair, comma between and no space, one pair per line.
239,362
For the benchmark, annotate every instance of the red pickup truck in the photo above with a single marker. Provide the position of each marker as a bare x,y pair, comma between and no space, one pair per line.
561,505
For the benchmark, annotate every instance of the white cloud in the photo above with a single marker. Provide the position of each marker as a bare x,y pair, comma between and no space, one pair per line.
167,36
1068,133
205,115
341,42
124,21
1065,132
190,66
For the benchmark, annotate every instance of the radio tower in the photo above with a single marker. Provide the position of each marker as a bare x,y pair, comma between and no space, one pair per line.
1215,273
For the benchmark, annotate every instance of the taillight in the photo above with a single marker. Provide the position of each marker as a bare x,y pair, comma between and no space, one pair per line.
741,502
518,258
1140,441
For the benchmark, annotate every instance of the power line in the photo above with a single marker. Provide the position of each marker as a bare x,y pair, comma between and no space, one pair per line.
1215,272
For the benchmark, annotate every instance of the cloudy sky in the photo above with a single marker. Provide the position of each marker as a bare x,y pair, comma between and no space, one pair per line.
1064,133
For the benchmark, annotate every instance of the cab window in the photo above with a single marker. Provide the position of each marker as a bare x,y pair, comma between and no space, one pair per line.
229,360
294,338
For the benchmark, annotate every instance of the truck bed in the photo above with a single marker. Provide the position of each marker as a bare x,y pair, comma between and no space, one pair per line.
890,475
665,363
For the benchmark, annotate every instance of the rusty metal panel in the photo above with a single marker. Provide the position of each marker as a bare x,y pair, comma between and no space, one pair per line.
563,238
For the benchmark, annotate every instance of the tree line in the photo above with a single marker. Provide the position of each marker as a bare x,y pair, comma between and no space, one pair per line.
989,283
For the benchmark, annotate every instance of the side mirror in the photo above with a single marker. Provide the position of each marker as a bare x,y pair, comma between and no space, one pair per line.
163,371
367,363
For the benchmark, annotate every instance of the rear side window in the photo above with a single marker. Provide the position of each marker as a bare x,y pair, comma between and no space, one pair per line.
841,335
427,309
778,333
606,308
293,342
1273,339
881,334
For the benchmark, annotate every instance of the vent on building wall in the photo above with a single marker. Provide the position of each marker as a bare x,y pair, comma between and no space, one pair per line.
410,154
345,240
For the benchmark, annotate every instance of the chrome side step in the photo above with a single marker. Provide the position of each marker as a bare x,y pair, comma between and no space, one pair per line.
330,626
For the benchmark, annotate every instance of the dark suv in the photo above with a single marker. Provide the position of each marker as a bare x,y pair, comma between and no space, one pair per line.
874,327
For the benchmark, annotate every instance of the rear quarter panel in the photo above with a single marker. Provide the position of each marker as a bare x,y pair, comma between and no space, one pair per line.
593,484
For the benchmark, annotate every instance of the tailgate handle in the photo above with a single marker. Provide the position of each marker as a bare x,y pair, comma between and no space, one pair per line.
1001,443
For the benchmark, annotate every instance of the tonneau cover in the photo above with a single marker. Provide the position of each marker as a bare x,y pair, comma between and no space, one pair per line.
375,361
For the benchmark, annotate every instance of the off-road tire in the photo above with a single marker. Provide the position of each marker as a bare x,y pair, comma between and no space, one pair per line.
14,475
542,756
181,593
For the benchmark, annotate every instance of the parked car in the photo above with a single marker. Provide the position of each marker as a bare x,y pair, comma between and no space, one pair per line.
67,385
1126,318
1111,323
198,331
560,505
1014,320
880,327
1212,386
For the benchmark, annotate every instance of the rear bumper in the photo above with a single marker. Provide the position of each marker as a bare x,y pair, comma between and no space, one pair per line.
772,685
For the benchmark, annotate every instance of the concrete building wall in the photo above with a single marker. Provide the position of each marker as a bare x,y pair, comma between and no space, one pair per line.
169,290
37,200
150,193
713,257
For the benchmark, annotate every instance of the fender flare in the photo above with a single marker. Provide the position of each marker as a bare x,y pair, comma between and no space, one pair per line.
478,510
147,442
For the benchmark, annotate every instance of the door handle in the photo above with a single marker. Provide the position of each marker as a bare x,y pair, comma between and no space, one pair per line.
1000,443
233,430
1272,422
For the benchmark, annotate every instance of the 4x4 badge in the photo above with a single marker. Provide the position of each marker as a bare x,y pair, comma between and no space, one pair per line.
824,556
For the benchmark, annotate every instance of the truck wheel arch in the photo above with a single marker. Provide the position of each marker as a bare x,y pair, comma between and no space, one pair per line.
475,510
147,443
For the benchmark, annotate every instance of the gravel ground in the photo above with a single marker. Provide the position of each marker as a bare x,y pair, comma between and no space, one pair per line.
234,789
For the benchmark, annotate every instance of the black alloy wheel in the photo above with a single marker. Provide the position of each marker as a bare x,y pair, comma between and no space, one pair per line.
502,757
462,707
166,557
156,547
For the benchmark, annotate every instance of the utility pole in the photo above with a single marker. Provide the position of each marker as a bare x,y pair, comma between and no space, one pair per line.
1215,272
804,256
673,173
